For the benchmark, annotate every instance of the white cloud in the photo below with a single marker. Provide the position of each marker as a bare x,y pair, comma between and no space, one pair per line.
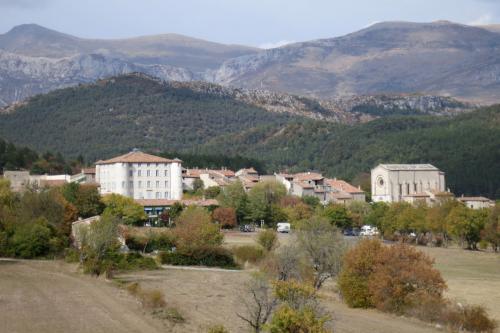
276,44
482,20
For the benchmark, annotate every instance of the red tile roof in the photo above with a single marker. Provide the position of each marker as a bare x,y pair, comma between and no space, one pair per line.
305,176
342,185
137,157
167,202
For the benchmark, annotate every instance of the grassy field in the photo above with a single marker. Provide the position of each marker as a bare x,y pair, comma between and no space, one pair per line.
51,296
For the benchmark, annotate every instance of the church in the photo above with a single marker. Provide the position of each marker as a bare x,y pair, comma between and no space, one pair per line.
406,182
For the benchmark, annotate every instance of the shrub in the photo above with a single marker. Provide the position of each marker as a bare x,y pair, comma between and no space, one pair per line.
149,298
71,255
359,265
394,279
195,230
170,314
248,253
203,256
217,329
154,241
152,299
401,276
268,239
32,240
225,216
135,261
471,318
287,319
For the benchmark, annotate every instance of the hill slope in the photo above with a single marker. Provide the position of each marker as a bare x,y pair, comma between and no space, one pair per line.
439,58
114,115
466,147
118,114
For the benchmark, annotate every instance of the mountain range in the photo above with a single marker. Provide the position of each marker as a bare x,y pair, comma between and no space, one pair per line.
391,58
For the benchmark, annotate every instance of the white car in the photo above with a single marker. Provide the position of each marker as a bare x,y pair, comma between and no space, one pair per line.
283,227
368,231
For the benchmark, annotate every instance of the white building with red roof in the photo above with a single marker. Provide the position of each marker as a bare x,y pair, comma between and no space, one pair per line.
140,176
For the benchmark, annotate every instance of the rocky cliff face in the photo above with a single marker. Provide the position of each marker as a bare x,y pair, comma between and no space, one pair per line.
347,110
440,58
393,58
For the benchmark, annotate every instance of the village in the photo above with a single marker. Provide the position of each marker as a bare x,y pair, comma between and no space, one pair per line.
158,183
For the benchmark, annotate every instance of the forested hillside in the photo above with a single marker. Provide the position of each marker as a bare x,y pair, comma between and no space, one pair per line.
132,111
115,115
467,147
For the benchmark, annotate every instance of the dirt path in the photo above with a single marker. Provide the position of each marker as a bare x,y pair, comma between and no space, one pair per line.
46,296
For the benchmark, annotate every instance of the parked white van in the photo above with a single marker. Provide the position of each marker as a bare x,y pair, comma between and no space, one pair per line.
283,227
368,230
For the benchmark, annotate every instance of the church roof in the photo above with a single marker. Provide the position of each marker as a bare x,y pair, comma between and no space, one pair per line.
409,167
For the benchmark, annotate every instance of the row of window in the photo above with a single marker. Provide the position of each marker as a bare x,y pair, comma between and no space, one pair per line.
149,184
148,173
415,187
157,195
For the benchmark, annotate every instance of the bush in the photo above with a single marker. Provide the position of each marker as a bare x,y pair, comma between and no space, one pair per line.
217,329
32,240
248,253
394,279
403,275
268,239
471,318
149,298
71,255
287,319
359,265
134,261
155,241
204,256
170,314
226,217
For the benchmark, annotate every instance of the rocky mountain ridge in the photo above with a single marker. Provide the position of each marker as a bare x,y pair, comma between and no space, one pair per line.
391,58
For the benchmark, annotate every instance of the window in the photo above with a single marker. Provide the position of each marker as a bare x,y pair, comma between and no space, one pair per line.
138,173
149,184
415,187
166,172
166,183
166,195
407,188
157,195
157,173
131,184
148,173
131,173
139,184
157,184
123,184
400,189
148,164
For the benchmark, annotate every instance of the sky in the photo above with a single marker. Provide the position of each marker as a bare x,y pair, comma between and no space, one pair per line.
261,23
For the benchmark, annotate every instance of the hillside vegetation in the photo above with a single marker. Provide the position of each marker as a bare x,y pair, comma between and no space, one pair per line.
115,115
467,147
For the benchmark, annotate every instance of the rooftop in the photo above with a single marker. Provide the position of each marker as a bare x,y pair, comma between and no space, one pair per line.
137,156
166,202
409,167
342,185
473,199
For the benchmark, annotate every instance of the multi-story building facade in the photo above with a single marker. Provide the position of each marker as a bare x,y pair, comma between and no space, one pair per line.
405,182
140,176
